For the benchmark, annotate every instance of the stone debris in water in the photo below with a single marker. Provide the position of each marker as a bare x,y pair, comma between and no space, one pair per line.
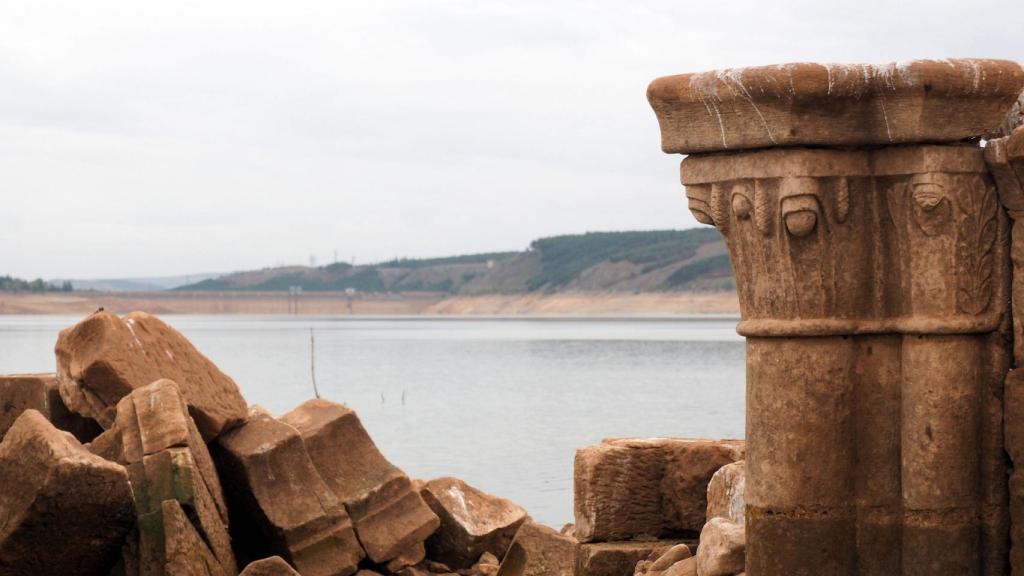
63,510
156,439
657,487
179,483
40,392
390,518
284,505
103,358
472,522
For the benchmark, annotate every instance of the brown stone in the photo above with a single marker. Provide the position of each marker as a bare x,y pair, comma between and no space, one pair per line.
725,493
617,558
807,104
874,290
103,358
538,550
273,566
687,567
722,547
410,557
677,553
279,503
390,518
19,392
62,510
156,439
186,554
472,522
628,488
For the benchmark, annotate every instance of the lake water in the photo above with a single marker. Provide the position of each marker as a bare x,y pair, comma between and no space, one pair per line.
500,403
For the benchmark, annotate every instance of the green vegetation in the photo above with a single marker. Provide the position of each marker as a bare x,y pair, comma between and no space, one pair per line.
607,261
11,284
566,257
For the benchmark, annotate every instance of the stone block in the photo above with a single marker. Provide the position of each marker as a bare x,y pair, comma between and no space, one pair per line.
725,493
390,518
618,558
273,566
646,488
472,522
722,548
808,104
279,503
538,550
63,510
103,358
20,392
156,439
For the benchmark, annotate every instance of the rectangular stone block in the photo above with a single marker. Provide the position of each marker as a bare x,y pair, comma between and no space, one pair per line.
388,515
63,510
628,488
620,558
538,550
472,522
20,392
280,504
103,358
154,436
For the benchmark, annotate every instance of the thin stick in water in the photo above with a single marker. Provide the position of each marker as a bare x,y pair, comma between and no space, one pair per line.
312,362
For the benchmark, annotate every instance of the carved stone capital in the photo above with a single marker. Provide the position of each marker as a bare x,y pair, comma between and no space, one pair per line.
906,239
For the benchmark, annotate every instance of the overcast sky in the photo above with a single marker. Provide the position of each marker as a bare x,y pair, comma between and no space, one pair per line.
139,139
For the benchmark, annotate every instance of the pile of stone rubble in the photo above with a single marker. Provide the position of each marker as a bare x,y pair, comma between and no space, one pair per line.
140,457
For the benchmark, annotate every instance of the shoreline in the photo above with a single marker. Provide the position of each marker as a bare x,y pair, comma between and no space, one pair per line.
607,305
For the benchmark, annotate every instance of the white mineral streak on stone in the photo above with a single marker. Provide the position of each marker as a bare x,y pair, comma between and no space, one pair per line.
735,76
131,328
462,512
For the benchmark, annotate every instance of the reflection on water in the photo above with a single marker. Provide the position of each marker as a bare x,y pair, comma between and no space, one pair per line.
500,403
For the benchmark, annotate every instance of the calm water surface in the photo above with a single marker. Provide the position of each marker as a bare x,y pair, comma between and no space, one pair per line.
502,404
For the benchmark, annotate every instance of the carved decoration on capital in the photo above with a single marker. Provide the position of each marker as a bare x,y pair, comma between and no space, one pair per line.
899,239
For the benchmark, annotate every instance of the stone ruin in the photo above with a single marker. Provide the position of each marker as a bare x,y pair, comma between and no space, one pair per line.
139,457
878,250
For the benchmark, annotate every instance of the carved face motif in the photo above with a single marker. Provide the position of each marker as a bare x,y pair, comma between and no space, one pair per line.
800,207
697,200
741,205
932,209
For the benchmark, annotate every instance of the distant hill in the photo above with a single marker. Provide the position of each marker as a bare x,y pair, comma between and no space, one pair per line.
648,261
134,284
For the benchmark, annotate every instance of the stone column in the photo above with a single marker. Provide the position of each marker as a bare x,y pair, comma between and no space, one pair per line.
873,287
1005,158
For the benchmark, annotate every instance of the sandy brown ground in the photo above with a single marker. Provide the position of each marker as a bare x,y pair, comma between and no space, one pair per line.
399,304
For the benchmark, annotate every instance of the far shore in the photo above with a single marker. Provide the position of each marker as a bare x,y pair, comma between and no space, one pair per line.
404,304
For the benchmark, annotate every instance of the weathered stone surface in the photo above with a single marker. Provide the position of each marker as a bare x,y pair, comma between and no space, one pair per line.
617,558
156,439
722,545
186,554
538,550
472,522
809,104
279,503
1014,422
410,557
103,358
63,510
725,492
873,286
677,553
628,488
273,566
390,518
19,392
687,567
